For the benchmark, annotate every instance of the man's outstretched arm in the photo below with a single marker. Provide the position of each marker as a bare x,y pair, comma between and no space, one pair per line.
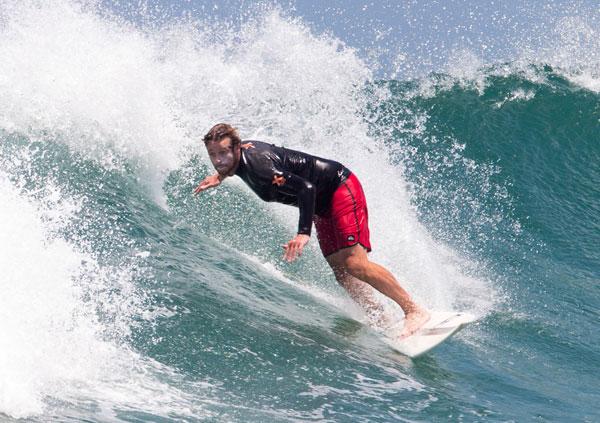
209,182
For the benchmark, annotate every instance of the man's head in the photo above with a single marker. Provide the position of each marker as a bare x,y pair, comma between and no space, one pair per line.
223,145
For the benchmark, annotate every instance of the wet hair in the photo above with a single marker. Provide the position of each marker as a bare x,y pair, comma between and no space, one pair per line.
221,131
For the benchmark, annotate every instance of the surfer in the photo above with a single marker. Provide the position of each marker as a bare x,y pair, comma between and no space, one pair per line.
326,193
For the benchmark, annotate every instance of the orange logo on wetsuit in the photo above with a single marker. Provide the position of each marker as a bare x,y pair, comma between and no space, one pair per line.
278,180
247,145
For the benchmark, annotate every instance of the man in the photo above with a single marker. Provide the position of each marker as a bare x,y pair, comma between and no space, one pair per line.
327,193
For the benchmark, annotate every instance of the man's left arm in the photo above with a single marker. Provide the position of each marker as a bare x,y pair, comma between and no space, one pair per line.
289,183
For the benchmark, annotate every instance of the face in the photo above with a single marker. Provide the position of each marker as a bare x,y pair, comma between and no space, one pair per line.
224,156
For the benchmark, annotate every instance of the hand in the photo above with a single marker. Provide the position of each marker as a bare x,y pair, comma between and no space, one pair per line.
293,249
208,182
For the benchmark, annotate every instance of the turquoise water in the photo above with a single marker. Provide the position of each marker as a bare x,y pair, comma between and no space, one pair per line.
125,298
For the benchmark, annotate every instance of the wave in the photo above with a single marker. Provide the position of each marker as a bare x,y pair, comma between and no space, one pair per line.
129,298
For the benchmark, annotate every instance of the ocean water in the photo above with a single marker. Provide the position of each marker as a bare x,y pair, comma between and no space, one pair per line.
125,298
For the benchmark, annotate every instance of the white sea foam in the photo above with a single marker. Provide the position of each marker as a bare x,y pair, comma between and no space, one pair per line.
63,318
95,84
37,305
573,47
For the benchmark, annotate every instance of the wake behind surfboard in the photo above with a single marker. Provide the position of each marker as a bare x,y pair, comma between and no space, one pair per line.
440,327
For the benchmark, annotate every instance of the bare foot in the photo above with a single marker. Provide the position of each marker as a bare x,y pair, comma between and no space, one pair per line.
413,321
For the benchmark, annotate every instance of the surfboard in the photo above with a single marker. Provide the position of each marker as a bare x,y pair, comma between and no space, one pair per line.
441,326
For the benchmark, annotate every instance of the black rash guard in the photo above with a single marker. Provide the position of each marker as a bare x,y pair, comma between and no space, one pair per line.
291,177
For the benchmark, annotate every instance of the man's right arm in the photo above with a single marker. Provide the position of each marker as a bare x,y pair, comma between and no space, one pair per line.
209,182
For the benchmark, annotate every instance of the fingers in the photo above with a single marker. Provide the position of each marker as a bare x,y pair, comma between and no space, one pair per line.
287,256
203,186
208,182
293,250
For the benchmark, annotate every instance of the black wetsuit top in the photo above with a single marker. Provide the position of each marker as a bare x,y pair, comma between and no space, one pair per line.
291,177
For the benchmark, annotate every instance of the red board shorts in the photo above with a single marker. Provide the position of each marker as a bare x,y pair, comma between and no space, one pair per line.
347,222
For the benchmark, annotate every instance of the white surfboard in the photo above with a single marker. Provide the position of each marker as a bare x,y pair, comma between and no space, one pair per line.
440,327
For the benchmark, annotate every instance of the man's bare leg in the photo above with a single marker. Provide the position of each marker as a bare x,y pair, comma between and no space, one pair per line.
354,261
362,294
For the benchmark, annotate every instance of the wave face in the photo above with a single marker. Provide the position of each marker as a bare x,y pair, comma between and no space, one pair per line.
126,298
